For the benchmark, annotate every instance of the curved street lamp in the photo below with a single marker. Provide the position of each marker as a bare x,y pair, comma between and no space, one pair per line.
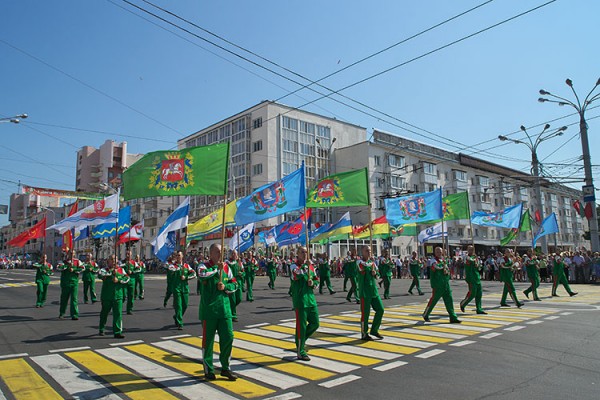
15,120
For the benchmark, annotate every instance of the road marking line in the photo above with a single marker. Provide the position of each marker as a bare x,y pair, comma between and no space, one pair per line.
22,379
73,379
515,328
534,322
566,313
462,343
285,396
175,336
269,334
433,333
339,381
552,317
257,325
288,320
388,366
430,353
491,335
69,349
126,343
13,355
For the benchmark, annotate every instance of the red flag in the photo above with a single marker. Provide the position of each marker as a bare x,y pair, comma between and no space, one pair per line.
68,235
135,233
538,216
306,215
578,208
36,231
589,212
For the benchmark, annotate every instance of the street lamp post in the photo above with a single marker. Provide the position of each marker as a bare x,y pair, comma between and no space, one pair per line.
535,165
583,131
15,120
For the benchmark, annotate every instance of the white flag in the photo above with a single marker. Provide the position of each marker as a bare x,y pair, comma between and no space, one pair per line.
432,232
100,212
246,236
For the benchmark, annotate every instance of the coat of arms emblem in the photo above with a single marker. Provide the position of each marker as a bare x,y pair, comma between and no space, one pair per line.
269,199
328,192
173,173
413,208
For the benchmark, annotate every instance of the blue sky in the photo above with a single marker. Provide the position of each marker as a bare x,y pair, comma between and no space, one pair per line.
98,66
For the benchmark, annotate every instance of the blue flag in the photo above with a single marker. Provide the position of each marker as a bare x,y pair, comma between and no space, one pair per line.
164,243
168,246
289,233
273,199
508,218
416,208
246,239
81,234
321,229
549,225
108,229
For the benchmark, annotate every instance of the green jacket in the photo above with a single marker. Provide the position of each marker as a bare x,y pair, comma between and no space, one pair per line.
70,272
439,275
131,268
506,269
214,303
237,269
386,267
43,272
302,294
180,275
112,290
324,269
251,267
415,267
472,268
532,266
90,271
350,267
367,282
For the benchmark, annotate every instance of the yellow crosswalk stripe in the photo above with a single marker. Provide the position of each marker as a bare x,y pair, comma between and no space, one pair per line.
122,379
296,369
447,330
240,387
394,333
24,382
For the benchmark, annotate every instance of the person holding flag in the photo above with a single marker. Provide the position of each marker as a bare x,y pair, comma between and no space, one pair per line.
131,268
506,265
69,284
271,271
532,266
325,275
369,296
473,278
304,279
439,278
139,278
114,284
42,280
558,276
386,269
351,268
415,266
250,268
182,273
237,269
218,283
89,279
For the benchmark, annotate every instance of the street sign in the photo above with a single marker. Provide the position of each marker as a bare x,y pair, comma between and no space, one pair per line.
589,194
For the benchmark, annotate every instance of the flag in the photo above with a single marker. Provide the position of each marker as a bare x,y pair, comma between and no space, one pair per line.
342,227
108,229
524,226
403,230
289,233
416,208
135,233
67,242
383,230
36,231
579,208
163,244
341,190
189,171
508,218
589,212
82,232
273,199
317,231
433,232
538,216
267,237
549,225
100,212
456,206
246,239
3,208
213,222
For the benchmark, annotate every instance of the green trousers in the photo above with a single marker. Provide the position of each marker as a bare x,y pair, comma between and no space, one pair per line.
249,284
225,329
272,277
139,286
387,280
235,298
353,289
509,288
130,294
475,292
169,292
416,283
180,305
365,310
346,279
89,287
325,281
535,283
561,278
117,310
436,294
42,291
307,323
68,294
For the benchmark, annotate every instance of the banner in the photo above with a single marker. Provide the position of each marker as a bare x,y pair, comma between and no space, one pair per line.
246,239
343,226
164,243
102,211
135,233
289,233
414,209
109,229
549,225
524,226
508,218
212,222
433,232
35,232
63,194
341,190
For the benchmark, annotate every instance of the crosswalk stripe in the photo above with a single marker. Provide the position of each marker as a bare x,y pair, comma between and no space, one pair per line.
458,329
179,383
496,317
495,322
24,382
401,332
434,333
392,365
431,353
248,370
285,396
75,381
339,381
241,387
123,380
272,361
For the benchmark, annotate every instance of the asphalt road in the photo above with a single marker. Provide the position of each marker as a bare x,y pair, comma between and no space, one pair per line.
547,350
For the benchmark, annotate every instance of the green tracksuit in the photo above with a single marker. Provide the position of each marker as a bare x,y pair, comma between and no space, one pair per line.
533,274
215,313
271,272
131,269
473,279
506,275
325,276
235,298
351,268
181,291
113,291
42,280
439,278
89,281
369,297
415,270
69,287
346,276
251,267
558,272
305,305
139,280
170,273
386,269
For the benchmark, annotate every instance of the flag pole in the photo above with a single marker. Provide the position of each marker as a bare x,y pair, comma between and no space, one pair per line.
237,231
306,235
371,229
223,227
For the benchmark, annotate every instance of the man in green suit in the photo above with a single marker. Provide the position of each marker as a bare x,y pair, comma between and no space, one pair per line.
69,284
473,279
532,266
415,266
182,273
439,278
386,270
89,279
369,296
42,280
114,286
325,275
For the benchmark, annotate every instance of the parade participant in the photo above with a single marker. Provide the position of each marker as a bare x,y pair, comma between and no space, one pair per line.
69,284
42,279
250,267
215,312
532,265
170,274
369,296
272,271
345,271
89,279
439,278
237,269
506,266
473,278
386,269
325,275
351,268
558,275
415,270
131,269
182,273
139,278
114,286
304,278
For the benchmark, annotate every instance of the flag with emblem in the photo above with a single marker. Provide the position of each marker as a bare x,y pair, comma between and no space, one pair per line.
35,232
190,171
293,232
414,209
341,190
508,218
212,222
243,240
100,212
524,226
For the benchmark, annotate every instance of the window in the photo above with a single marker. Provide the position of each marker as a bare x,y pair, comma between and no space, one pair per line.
460,176
397,182
377,160
307,127
324,131
257,169
429,168
257,123
380,204
290,123
484,182
507,201
484,197
257,146
460,232
379,182
395,161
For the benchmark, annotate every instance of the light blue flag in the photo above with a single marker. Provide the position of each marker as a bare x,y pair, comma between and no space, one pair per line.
289,233
549,225
81,233
108,229
163,244
321,229
246,239
416,208
508,218
273,199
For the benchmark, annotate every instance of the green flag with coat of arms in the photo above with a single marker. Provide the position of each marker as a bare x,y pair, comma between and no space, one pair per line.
340,190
